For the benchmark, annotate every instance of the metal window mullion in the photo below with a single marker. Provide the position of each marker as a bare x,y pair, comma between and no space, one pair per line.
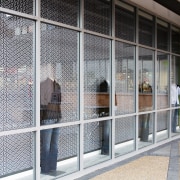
136,80
113,72
81,85
37,92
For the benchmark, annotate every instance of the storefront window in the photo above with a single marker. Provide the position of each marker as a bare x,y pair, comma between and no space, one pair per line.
125,21
146,77
124,135
175,40
162,125
162,35
97,82
97,16
125,78
162,81
175,94
146,29
97,142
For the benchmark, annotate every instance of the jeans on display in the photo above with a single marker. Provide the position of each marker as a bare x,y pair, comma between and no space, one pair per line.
49,147
174,118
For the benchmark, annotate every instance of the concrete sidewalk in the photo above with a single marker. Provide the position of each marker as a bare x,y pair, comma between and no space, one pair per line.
171,150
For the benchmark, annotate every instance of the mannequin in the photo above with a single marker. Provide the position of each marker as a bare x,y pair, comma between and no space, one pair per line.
50,93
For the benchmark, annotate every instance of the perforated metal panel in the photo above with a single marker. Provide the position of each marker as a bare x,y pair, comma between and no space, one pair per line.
96,69
124,129
125,24
24,6
64,11
162,81
68,142
92,136
175,40
16,153
162,120
146,31
97,16
16,64
125,78
59,61
162,37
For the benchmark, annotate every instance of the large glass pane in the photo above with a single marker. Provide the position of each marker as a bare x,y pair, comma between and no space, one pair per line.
162,125
145,133
175,93
125,21
59,74
162,81
64,11
175,40
124,135
97,77
162,35
146,29
125,78
97,16
24,6
146,79
16,155
63,158
16,72
97,142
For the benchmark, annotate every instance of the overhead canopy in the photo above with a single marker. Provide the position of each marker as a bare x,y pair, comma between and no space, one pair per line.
173,5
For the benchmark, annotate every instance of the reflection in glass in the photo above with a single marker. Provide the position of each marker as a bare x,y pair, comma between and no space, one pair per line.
97,142
162,125
96,77
63,11
16,72
146,75
146,29
125,21
16,154
124,135
162,35
125,78
162,81
59,63
175,36
97,16
145,130
175,93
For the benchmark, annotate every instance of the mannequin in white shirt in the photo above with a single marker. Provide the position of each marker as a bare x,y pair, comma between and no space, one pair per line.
175,91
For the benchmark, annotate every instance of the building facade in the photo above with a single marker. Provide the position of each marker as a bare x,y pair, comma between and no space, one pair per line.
116,63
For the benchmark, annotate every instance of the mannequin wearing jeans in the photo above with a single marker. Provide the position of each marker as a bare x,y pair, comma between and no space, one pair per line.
49,137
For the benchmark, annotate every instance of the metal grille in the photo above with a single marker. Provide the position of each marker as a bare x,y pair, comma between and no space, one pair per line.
16,153
68,142
162,37
162,81
96,69
124,129
162,120
64,11
97,16
146,31
92,136
176,41
59,48
16,86
24,6
125,24
146,82
125,78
